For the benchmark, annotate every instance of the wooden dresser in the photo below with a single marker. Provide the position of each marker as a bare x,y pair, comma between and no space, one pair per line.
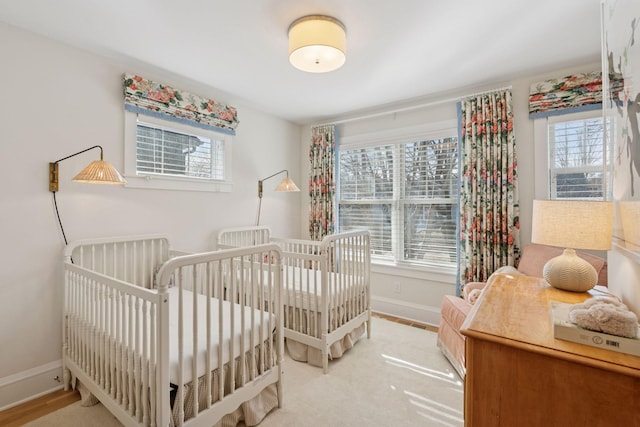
519,375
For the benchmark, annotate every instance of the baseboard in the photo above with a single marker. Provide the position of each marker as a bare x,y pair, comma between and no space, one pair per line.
30,384
406,310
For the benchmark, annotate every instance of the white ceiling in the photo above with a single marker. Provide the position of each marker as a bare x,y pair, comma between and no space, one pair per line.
397,50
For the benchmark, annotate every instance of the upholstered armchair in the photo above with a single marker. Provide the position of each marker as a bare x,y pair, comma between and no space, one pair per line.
454,310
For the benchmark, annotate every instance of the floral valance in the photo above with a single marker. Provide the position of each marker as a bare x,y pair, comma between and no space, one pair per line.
147,97
578,92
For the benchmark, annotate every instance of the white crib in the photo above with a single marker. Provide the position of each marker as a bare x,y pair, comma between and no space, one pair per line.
192,340
326,290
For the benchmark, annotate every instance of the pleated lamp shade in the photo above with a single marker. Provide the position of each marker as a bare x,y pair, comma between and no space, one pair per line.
100,172
287,185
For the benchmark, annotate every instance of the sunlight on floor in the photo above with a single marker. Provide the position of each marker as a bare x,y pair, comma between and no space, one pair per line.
448,377
437,413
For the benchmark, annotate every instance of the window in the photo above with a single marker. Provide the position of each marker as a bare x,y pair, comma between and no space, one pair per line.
405,194
168,155
577,158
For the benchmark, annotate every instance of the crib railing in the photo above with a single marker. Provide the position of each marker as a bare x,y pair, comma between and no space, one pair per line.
326,290
239,237
116,334
347,262
110,337
130,259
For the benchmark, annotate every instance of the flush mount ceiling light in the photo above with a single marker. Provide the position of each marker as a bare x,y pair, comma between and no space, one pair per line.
317,44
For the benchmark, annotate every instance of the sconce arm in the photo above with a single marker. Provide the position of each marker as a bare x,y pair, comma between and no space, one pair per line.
53,167
264,179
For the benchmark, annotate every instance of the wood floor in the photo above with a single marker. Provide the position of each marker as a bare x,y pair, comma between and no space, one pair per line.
419,325
22,414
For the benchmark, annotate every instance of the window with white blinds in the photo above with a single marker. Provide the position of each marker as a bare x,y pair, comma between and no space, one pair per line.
405,194
168,155
167,152
577,158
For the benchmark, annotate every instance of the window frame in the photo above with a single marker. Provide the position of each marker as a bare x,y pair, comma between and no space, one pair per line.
396,137
137,179
543,168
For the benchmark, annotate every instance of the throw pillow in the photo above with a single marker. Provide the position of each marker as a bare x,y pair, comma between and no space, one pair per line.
474,295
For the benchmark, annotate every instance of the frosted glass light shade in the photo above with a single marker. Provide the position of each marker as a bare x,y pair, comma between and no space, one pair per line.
317,44
100,172
287,185
572,224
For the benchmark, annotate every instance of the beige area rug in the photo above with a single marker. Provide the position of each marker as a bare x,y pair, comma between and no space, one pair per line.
396,378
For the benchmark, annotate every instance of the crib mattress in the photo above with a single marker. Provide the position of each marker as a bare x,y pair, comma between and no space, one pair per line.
263,321
303,285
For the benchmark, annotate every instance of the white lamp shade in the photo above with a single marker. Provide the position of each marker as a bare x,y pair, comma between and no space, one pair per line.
575,224
317,44
630,218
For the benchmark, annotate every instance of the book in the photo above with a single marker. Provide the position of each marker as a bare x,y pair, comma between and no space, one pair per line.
564,329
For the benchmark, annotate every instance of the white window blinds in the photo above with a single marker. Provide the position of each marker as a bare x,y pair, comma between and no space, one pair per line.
577,159
166,152
405,194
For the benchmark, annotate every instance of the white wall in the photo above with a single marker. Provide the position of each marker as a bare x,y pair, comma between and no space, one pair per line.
624,277
421,290
57,100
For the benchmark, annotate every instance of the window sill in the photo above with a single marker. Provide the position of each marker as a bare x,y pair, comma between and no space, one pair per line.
164,183
432,273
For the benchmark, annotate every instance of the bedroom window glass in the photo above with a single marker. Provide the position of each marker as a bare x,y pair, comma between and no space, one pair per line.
405,194
577,157
168,155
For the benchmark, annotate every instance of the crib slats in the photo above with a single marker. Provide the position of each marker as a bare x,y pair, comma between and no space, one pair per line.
326,293
209,291
116,327
180,397
220,331
194,349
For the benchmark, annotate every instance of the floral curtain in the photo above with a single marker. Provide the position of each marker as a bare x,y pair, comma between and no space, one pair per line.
569,94
322,185
489,205
147,97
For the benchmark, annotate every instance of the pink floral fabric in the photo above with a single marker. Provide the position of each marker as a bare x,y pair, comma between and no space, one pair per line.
322,186
148,97
489,205
568,94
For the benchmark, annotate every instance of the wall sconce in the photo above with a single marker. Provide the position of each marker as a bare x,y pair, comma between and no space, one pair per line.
286,185
98,172
572,224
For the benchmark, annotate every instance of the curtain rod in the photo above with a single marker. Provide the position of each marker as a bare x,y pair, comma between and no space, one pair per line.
486,92
413,107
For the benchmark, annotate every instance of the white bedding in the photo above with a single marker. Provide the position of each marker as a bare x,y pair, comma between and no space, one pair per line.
188,308
305,285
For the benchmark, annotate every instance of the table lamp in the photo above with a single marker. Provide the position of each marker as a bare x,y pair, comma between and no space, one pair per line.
572,224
